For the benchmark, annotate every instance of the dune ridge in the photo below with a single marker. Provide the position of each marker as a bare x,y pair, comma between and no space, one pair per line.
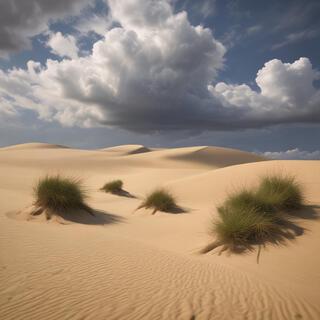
134,265
126,149
34,145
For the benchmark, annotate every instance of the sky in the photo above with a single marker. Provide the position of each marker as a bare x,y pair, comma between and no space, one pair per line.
163,73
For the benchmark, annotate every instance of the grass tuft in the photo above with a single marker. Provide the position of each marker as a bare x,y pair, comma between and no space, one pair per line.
246,200
239,226
280,192
114,186
57,193
253,216
160,200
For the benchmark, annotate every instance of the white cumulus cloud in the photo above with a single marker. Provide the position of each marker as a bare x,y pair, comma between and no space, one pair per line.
293,154
63,45
97,23
287,93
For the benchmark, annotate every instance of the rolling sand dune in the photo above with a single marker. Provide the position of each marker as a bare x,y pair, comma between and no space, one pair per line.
220,157
127,264
33,145
127,149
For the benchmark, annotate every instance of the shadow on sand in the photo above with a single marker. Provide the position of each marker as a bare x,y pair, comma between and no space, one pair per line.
178,210
92,217
124,193
174,210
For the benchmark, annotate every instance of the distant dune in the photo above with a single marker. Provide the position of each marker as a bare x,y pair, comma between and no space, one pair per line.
219,157
127,264
126,149
33,145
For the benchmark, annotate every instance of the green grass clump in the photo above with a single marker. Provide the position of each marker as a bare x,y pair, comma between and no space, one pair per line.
59,194
280,192
114,186
160,200
247,200
239,226
254,216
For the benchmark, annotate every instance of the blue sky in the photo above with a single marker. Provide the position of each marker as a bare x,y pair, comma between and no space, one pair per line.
242,74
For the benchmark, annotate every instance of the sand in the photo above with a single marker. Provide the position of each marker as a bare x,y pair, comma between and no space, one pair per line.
127,264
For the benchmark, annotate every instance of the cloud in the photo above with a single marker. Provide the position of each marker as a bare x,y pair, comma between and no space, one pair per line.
151,73
20,20
97,23
141,15
296,37
294,22
201,8
63,46
154,71
287,94
237,34
7,111
293,154
253,30
298,15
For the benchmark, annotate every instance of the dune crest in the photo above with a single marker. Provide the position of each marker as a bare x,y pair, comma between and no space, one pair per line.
194,157
127,149
34,145
221,157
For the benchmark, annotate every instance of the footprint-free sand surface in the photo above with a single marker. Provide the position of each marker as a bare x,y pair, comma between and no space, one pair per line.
127,264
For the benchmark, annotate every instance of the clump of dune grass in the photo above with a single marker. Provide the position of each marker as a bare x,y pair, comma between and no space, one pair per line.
246,200
253,216
242,220
114,187
160,200
59,194
280,192
241,226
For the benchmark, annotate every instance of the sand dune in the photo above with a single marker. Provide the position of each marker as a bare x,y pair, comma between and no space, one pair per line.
246,175
193,157
127,149
131,265
220,157
34,145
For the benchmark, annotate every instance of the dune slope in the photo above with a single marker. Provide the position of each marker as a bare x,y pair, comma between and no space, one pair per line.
126,149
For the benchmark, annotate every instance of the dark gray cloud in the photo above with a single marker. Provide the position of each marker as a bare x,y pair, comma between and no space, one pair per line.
22,19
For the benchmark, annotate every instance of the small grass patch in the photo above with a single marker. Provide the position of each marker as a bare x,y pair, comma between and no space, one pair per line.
57,193
242,225
246,200
160,200
255,216
114,187
280,192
